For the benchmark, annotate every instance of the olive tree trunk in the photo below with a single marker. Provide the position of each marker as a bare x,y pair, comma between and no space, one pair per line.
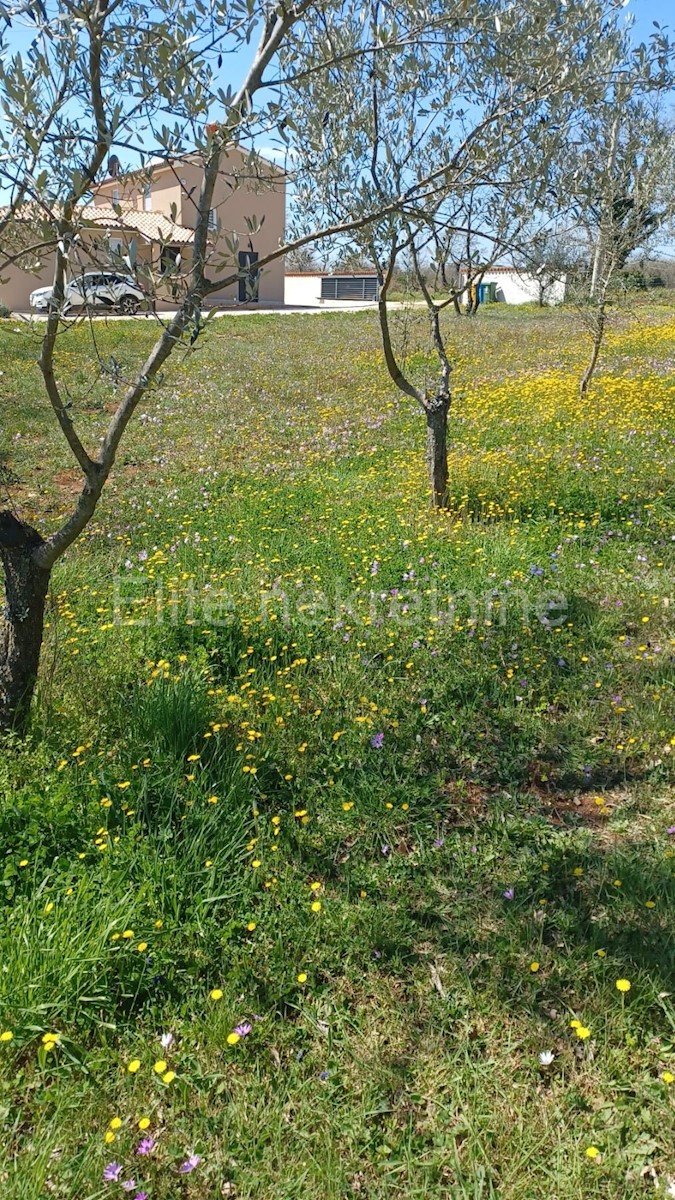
437,449
598,335
22,622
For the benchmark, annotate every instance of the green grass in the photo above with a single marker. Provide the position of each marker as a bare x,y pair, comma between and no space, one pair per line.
263,591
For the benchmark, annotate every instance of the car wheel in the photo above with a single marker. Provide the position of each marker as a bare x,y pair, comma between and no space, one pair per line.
128,305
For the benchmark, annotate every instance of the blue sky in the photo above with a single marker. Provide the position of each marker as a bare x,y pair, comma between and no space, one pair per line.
647,11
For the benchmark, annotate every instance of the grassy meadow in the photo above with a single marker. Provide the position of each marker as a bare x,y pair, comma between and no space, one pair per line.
339,821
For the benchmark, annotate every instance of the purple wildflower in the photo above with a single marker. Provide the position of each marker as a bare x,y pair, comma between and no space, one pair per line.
112,1172
141,1196
438,843
129,1185
243,1029
536,571
323,1075
509,894
189,1164
386,850
671,830
377,741
146,1145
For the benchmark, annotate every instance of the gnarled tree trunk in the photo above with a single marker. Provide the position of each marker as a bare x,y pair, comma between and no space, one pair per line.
437,448
22,622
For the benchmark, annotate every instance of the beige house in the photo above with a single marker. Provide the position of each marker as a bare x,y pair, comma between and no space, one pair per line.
152,214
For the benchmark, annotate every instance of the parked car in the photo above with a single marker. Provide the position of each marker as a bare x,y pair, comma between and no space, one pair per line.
95,289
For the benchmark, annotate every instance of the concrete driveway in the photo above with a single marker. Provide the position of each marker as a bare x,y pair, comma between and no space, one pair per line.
235,311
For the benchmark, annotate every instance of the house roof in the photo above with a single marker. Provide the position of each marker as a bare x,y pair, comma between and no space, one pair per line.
330,274
153,226
155,164
505,270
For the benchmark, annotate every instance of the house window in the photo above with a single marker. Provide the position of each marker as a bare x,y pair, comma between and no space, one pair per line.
116,195
213,218
115,246
349,287
147,197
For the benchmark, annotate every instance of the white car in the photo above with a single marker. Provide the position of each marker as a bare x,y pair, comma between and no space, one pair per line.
95,289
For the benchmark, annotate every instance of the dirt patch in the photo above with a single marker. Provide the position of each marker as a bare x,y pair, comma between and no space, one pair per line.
68,482
469,802
466,801
583,808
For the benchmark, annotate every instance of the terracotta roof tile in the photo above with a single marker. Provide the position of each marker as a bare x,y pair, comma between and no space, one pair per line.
154,226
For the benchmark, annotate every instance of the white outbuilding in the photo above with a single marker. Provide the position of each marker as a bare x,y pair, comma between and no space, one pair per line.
514,286
327,289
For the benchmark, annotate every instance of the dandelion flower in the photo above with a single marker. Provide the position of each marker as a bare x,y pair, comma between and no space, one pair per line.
534,966
160,1066
216,994
233,1038
116,1123
668,1077
302,977
583,1032
623,985
251,926
592,1152
133,1066
316,906
144,1123
168,1076
108,1137
6,1035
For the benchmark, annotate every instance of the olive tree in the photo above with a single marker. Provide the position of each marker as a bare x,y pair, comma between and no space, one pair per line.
89,78
473,121
618,189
